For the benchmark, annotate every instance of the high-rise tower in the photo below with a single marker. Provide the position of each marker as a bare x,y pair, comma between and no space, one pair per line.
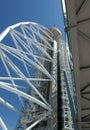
36,67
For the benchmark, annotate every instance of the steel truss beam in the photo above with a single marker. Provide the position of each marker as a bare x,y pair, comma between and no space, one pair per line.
81,6
36,122
85,127
85,109
27,42
2,124
20,93
84,67
83,21
84,118
85,87
86,92
83,35
10,106
67,101
88,99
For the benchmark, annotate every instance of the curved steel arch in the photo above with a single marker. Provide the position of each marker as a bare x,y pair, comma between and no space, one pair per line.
26,65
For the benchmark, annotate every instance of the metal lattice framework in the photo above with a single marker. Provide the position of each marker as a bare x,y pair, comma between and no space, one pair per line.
67,95
21,58
30,57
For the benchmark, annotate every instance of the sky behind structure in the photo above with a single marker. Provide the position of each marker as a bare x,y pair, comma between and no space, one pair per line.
45,12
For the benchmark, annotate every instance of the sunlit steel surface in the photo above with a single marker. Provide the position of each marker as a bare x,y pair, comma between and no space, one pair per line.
30,56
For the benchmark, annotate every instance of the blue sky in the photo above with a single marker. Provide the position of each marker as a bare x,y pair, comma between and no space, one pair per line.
45,12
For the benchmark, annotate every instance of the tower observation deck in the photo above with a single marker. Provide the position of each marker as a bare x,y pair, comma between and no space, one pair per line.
36,78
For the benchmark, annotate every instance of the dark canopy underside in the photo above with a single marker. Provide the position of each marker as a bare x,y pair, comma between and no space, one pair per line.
78,12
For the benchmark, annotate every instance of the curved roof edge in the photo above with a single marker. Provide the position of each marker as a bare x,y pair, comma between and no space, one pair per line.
5,32
55,32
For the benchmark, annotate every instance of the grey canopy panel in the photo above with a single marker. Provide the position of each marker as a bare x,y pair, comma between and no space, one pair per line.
78,17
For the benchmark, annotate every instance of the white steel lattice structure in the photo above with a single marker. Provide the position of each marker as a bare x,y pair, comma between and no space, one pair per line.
28,58
65,70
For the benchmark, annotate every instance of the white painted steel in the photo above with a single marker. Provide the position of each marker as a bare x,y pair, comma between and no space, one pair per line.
65,67
14,90
27,49
36,122
9,106
2,124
